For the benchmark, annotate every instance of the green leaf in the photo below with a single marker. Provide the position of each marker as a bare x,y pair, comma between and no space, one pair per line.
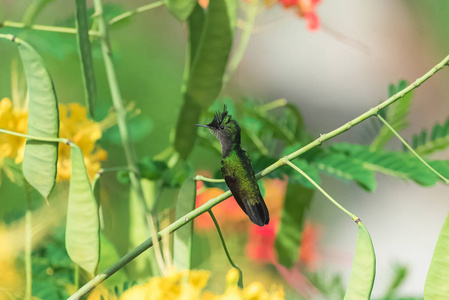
85,53
205,71
437,286
438,140
289,236
182,244
83,226
180,9
396,116
342,167
39,161
363,267
393,163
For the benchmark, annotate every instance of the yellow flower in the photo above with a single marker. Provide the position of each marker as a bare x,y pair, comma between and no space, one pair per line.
74,125
100,293
10,280
13,120
189,285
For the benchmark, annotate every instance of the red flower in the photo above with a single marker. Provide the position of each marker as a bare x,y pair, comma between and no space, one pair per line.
260,246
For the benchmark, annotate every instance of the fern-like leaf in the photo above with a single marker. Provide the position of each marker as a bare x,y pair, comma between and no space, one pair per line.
437,141
396,116
393,163
339,166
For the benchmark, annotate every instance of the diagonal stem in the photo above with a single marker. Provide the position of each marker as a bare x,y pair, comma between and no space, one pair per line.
412,150
240,282
354,217
131,13
212,202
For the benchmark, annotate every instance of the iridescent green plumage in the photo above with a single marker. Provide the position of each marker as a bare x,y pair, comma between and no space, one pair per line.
237,168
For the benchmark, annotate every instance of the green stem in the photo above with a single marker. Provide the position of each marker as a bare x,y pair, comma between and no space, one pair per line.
44,28
77,276
240,283
212,202
251,14
42,139
28,244
202,178
274,104
134,173
131,13
411,149
354,217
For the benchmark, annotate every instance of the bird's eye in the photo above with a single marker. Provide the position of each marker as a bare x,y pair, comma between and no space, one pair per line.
221,127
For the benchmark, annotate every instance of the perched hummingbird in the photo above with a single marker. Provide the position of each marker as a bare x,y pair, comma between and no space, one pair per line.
237,168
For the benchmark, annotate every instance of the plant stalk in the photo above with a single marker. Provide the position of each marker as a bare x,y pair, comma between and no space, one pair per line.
28,245
134,173
131,13
240,282
354,217
44,28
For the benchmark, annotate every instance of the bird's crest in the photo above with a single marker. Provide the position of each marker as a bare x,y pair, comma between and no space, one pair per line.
221,118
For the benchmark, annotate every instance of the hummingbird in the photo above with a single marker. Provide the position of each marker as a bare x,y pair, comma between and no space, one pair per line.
237,168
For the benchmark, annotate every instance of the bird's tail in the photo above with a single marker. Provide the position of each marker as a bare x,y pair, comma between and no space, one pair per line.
257,212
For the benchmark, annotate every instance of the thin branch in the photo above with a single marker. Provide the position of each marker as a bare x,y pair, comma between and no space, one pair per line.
131,13
212,202
202,178
45,28
42,139
240,282
412,150
251,14
354,217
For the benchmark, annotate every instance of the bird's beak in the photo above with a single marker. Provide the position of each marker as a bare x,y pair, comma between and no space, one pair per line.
199,125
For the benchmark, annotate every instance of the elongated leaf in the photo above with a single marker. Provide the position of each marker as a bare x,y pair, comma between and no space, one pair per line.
39,162
82,235
341,167
182,248
85,53
206,73
394,163
181,9
437,286
396,116
289,236
190,110
437,141
363,267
